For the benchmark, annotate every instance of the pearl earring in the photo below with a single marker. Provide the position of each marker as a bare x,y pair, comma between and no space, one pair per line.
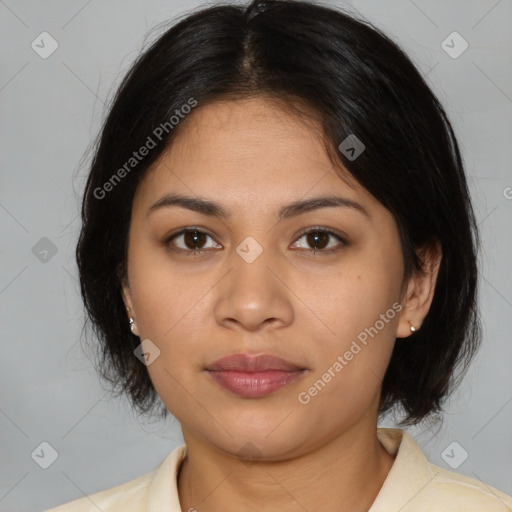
413,329
132,322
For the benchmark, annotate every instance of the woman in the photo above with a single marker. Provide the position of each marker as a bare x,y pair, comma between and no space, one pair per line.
279,245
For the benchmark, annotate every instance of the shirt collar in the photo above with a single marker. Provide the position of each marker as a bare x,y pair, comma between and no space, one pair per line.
409,474
163,489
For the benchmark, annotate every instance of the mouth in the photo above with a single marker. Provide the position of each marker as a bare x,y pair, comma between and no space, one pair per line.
252,376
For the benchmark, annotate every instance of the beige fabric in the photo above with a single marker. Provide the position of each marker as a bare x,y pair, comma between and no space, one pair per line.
412,485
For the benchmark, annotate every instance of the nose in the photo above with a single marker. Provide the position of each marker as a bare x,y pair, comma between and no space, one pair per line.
254,296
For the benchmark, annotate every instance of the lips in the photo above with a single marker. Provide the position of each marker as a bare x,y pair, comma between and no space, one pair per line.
250,376
253,363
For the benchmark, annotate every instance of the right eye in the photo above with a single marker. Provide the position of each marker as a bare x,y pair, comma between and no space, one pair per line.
192,241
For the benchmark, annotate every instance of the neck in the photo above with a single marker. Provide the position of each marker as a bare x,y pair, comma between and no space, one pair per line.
344,474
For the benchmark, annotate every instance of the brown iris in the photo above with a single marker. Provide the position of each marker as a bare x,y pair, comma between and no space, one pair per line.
315,238
196,238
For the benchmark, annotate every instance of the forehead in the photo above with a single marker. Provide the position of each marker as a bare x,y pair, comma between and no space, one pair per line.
252,151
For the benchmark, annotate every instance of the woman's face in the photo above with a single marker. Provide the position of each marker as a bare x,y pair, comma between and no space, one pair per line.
256,287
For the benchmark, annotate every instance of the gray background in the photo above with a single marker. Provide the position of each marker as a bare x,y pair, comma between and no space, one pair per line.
50,111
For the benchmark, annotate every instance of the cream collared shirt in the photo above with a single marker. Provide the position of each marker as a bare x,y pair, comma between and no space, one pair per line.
412,485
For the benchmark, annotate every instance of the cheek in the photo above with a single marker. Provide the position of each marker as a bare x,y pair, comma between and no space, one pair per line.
175,323
166,296
351,364
346,302
171,309
358,328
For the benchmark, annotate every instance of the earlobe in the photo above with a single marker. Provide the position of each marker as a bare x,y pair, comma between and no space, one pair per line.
127,299
133,325
126,292
420,291
407,316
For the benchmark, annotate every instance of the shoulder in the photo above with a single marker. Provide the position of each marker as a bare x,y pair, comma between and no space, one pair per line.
152,491
414,484
462,493
125,497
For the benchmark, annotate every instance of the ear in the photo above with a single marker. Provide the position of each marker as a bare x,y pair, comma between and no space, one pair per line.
420,290
128,302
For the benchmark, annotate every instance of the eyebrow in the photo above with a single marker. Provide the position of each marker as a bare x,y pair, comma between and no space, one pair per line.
212,209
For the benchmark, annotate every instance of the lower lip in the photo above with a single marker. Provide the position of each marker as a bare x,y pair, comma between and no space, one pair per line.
254,384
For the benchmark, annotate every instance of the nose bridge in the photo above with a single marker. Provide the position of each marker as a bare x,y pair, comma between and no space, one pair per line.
251,294
252,262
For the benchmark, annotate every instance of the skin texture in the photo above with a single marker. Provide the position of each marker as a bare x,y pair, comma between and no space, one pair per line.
252,157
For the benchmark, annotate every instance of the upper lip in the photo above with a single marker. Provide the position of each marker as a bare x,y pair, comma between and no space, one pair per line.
248,363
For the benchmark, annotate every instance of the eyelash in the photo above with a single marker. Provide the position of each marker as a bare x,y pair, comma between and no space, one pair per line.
199,252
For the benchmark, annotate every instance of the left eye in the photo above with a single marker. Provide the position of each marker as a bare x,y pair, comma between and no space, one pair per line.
318,238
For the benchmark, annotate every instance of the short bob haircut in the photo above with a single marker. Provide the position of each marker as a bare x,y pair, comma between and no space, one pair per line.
354,80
